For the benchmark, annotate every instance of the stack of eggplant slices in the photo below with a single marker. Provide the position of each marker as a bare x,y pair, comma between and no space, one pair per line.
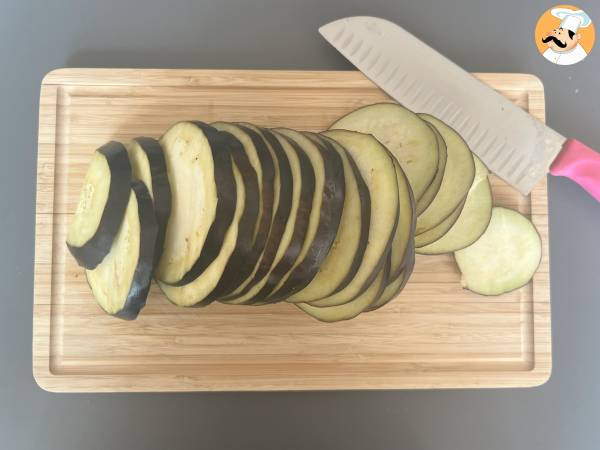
330,221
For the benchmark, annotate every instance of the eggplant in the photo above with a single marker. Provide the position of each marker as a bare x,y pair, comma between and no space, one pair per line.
434,187
102,202
458,177
308,182
395,285
285,200
353,308
437,232
324,220
241,262
120,283
377,168
403,243
473,219
343,260
299,221
258,155
148,165
402,254
407,136
202,201
504,258
197,292
226,203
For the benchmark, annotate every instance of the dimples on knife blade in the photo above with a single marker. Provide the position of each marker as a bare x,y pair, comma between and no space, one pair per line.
512,143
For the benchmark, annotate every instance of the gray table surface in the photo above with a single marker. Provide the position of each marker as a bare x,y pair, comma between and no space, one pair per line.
483,36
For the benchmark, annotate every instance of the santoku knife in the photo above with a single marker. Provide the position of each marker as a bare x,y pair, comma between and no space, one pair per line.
512,143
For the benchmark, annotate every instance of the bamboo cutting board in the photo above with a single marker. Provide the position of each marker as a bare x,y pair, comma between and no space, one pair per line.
435,335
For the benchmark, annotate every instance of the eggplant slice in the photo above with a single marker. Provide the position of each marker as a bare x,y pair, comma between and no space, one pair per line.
402,256
240,263
395,285
260,158
456,182
102,202
120,283
190,167
289,179
402,245
437,232
226,203
310,183
343,259
504,258
326,212
433,189
148,165
472,221
197,292
353,308
376,166
408,137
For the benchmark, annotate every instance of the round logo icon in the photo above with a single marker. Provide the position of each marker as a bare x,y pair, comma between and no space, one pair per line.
565,35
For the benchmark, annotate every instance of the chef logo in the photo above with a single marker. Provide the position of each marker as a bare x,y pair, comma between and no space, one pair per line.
564,35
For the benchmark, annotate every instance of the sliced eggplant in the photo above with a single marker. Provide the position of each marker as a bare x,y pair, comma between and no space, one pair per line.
102,202
220,145
345,255
120,283
402,256
402,249
261,157
456,182
433,189
190,149
242,260
504,258
408,137
197,292
148,165
377,169
283,242
311,182
325,214
395,286
437,232
353,308
473,220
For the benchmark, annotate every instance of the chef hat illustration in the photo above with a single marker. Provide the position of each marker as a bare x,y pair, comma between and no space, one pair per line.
572,20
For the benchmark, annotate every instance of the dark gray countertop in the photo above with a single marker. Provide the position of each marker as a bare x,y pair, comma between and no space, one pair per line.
484,36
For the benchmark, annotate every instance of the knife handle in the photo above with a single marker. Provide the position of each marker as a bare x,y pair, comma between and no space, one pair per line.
581,164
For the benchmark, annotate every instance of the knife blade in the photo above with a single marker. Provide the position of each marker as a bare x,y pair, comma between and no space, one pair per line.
512,143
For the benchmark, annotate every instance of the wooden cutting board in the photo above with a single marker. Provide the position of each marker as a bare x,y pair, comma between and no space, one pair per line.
435,335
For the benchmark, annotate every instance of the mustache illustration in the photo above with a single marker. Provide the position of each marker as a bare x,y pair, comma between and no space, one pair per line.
556,41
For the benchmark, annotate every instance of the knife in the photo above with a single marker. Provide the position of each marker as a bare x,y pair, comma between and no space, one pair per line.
513,144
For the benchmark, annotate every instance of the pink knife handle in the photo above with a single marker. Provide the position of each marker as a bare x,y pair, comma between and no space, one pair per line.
581,164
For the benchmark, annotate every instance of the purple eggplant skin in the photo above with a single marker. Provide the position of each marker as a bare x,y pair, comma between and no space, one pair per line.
90,254
282,212
332,204
307,189
246,252
409,264
226,203
142,277
161,189
406,268
409,255
365,218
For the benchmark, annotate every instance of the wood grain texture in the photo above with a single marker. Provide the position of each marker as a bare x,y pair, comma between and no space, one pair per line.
435,335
